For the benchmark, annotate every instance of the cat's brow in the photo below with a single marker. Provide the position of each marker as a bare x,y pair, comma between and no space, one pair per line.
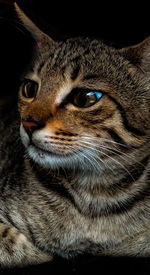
33,76
91,76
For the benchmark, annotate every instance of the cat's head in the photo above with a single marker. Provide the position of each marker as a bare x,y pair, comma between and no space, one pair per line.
83,103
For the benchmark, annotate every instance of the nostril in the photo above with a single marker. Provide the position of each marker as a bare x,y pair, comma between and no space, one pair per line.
51,115
33,128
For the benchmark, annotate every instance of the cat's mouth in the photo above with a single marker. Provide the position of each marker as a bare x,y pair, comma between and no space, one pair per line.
43,152
49,155
51,159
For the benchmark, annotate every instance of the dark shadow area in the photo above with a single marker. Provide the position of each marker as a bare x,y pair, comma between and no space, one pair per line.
15,51
118,25
87,265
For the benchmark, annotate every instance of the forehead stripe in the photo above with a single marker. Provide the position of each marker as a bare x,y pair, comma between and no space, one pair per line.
75,72
40,67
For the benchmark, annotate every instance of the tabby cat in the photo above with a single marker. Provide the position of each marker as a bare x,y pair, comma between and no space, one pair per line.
76,179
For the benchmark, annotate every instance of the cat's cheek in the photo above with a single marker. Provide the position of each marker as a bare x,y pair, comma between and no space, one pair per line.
24,137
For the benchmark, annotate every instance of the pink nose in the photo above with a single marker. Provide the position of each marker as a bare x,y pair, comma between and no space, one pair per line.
31,126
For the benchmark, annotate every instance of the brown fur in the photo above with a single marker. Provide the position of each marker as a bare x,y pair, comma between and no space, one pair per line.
87,189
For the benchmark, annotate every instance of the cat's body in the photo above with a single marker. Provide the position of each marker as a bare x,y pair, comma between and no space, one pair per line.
81,181
56,214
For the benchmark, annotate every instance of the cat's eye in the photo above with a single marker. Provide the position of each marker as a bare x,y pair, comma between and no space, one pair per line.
29,89
83,98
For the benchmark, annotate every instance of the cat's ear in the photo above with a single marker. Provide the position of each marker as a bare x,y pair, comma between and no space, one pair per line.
139,54
40,37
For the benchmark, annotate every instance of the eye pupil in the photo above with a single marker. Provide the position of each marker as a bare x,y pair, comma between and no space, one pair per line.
30,89
86,98
80,99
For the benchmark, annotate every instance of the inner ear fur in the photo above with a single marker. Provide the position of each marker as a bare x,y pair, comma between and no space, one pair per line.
139,54
40,37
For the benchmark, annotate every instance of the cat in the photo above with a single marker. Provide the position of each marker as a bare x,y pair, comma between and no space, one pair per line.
74,157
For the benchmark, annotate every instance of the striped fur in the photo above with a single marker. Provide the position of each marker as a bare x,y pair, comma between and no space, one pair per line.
78,181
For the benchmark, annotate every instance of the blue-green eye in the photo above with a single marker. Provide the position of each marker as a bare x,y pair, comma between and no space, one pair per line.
85,98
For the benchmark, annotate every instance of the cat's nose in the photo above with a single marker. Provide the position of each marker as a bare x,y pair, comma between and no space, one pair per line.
31,126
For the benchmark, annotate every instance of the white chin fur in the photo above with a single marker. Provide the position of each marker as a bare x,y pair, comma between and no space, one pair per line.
47,160
24,136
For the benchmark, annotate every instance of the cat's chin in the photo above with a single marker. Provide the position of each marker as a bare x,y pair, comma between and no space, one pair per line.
71,162
52,160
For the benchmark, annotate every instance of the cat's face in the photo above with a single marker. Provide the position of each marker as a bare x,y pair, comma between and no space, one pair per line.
81,103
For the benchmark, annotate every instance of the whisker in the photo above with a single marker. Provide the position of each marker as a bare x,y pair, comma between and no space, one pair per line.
118,152
120,165
96,163
107,140
109,149
93,162
74,150
114,160
89,157
104,163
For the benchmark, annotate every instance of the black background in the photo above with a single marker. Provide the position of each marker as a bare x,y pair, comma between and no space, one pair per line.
119,24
